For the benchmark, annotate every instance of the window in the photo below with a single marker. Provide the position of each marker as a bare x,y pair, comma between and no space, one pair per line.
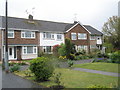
82,47
82,36
10,34
92,37
48,35
59,36
73,36
29,50
93,46
27,34
47,49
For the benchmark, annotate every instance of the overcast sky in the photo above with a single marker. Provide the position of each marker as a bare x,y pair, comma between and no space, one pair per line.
88,12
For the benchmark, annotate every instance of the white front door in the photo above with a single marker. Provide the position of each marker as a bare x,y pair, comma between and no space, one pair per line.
11,53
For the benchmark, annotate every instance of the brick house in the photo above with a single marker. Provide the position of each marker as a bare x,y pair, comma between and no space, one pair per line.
84,36
28,37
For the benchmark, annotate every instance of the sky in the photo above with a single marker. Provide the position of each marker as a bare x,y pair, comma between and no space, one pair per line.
87,12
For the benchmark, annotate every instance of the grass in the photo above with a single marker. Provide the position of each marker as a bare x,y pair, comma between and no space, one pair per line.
78,79
108,67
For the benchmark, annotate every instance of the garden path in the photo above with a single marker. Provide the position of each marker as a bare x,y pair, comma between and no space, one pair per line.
99,72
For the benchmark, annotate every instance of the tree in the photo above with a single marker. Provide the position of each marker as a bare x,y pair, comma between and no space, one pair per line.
111,30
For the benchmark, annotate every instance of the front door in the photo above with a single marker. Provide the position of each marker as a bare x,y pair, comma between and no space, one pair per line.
12,53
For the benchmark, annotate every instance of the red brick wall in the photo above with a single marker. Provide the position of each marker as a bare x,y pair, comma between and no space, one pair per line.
18,40
79,29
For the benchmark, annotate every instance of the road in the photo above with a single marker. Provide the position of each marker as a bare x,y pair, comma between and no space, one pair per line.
12,81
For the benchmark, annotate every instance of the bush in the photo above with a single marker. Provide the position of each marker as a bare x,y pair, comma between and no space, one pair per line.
57,77
115,57
42,68
70,63
14,68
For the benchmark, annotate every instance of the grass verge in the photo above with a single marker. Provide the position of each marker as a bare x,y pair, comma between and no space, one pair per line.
108,67
77,79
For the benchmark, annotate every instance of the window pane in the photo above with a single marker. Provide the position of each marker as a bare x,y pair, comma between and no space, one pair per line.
35,49
73,36
10,51
10,34
59,36
28,34
82,36
48,48
29,49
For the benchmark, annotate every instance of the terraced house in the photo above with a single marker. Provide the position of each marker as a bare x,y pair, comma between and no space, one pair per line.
28,37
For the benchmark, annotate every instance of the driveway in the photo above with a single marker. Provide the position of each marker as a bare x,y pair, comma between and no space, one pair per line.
12,81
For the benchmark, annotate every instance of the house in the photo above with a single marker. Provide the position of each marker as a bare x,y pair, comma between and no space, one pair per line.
84,36
28,37
23,38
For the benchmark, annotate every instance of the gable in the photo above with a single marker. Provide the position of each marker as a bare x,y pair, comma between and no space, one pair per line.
77,28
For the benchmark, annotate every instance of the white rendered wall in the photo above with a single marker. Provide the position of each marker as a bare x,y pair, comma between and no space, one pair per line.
50,42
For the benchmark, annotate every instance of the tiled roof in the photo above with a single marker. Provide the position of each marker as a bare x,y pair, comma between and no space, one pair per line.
41,25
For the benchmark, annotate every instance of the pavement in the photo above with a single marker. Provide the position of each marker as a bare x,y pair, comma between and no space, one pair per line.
12,81
99,72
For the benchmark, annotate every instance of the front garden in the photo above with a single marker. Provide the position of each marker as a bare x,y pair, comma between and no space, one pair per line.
56,71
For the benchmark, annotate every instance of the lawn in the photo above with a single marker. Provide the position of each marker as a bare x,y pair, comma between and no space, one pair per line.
108,67
78,79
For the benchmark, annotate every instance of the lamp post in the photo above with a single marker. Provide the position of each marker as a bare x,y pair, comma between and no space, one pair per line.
6,38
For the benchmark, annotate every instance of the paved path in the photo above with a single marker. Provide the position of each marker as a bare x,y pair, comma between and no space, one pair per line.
83,61
12,81
99,72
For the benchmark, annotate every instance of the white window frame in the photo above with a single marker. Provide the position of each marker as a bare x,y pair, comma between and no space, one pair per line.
11,31
24,36
72,38
58,36
26,48
51,35
85,36
91,37
82,47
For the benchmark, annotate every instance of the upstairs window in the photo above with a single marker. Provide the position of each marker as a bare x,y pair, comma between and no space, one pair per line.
47,35
27,34
11,34
82,36
92,37
73,36
59,36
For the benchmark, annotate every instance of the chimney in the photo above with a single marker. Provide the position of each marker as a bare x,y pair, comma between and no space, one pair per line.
30,17
75,22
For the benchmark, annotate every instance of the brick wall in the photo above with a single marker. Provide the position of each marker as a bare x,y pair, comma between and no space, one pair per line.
79,29
18,40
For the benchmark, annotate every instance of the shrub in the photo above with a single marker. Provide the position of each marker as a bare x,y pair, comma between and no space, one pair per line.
14,68
42,68
70,63
62,51
57,77
55,50
115,57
